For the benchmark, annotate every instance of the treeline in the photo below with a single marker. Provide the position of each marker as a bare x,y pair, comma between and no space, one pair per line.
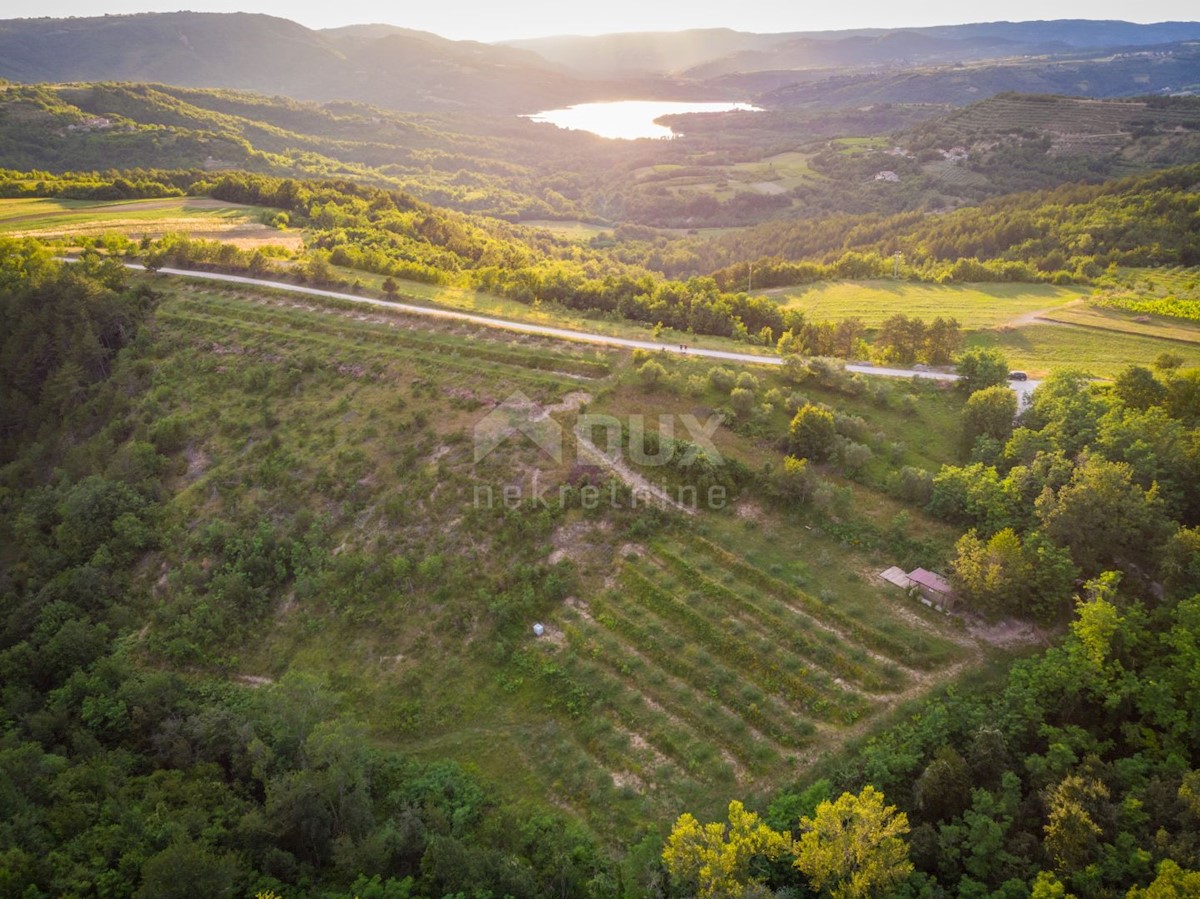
391,233
124,778
1085,480
1073,232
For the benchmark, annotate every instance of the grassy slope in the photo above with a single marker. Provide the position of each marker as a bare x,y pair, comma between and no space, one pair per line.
364,423
199,217
1040,348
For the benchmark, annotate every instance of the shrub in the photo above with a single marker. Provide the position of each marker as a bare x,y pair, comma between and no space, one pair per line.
721,379
812,433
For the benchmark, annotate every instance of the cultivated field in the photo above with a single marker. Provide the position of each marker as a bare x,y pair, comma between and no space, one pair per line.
1041,347
195,216
974,305
684,661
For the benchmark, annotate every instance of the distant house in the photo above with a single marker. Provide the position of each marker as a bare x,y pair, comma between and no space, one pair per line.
887,176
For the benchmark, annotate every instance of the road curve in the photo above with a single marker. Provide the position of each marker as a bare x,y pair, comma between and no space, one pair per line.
487,321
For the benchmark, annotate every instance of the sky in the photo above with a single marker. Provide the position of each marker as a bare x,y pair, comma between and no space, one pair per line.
493,20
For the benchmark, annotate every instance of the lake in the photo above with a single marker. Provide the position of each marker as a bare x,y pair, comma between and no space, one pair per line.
629,119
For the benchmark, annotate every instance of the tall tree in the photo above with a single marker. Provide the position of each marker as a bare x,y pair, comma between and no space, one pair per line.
854,848
981,368
717,857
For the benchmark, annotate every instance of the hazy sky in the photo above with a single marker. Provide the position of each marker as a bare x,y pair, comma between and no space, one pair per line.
498,20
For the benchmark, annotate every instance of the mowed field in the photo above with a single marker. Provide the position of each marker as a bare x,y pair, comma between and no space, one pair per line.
1041,347
195,216
712,657
974,305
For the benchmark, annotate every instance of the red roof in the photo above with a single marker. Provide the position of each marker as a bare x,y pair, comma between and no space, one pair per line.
931,581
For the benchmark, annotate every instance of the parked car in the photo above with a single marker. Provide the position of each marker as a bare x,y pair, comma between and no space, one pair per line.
1018,376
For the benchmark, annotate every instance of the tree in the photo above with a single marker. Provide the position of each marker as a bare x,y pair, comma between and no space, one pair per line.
1168,361
1009,576
1067,410
718,858
812,433
901,339
1102,516
1183,397
186,870
981,368
1072,833
943,340
795,480
854,848
390,287
1172,882
993,576
944,788
1137,388
989,413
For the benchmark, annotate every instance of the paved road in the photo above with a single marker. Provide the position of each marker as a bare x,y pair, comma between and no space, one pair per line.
1022,388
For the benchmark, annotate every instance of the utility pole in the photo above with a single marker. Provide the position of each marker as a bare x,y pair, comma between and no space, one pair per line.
749,277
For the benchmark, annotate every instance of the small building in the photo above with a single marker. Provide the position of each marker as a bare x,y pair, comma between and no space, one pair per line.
933,587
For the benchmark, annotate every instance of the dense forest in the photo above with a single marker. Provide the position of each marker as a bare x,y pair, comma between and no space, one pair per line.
126,777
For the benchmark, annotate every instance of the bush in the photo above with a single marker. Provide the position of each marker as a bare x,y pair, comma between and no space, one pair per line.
742,400
812,433
721,379
651,374
747,381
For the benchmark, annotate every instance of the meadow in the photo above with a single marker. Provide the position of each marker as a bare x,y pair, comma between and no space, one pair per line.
1042,347
974,305
196,216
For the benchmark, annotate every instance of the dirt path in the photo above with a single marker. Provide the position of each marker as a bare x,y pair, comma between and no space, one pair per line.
638,484
1035,317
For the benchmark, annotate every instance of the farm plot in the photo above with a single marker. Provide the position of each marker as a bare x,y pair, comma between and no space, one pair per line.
710,672
974,305
197,217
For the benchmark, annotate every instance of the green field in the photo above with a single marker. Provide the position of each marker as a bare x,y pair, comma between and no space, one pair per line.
581,231
1109,319
1041,348
195,216
974,305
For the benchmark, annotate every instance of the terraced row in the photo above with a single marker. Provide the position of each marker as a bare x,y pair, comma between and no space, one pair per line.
920,651
798,630
291,319
269,339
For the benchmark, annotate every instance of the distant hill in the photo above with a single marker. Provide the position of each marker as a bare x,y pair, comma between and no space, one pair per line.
635,54
397,68
712,52
1131,72
891,48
